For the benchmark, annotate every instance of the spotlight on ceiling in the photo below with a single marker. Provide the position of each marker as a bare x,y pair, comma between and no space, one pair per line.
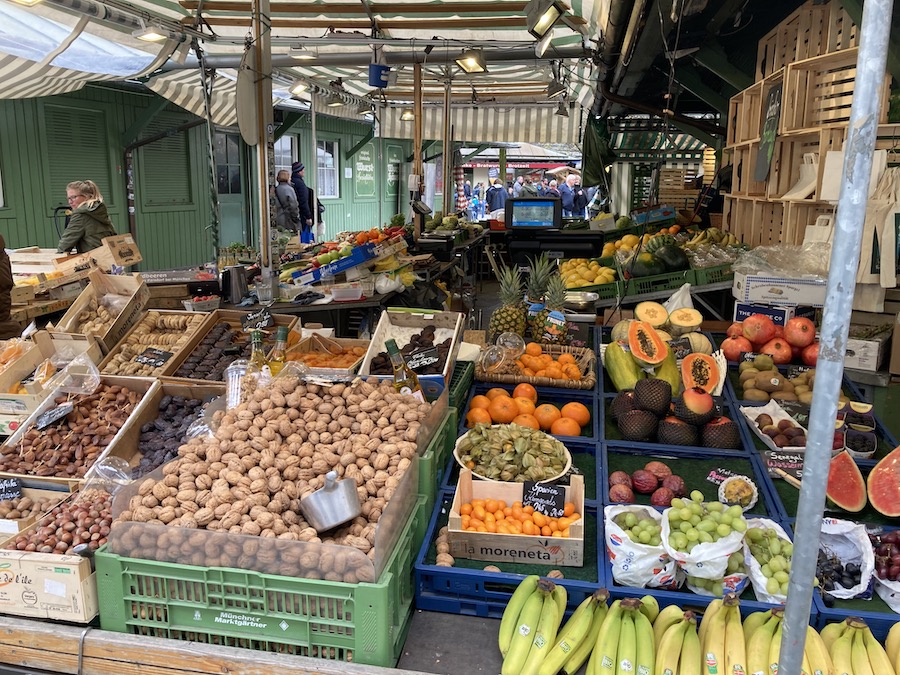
540,47
407,115
541,15
301,53
472,61
27,3
298,87
555,89
562,110
153,34
364,108
334,100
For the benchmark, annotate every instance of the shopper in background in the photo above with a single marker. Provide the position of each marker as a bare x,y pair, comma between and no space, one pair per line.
495,197
553,189
517,186
567,195
89,221
528,188
468,189
475,208
304,202
477,191
542,187
8,327
287,212
580,199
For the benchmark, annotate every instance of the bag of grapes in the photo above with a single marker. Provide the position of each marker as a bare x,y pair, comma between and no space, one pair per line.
846,562
887,572
701,537
767,555
634,543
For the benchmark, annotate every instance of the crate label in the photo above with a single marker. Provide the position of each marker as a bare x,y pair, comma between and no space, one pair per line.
789,461
718,476
10,488
239,620
423,358
544,498
259,319
153,357
681,347
45,419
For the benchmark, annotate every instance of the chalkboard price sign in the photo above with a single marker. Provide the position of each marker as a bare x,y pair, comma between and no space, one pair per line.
153,357
48,417
718,476
422,359
258,320
545,498
10,488
789,461
681,347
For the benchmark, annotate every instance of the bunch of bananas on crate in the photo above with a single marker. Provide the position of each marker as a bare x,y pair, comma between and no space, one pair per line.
855,651
710,236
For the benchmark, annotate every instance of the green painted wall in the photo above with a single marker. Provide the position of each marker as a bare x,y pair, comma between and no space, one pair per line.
47,142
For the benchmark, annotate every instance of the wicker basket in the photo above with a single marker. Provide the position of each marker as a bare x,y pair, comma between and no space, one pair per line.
585,358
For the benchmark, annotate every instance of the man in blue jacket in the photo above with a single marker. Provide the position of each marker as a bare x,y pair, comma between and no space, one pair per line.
496,196
567,195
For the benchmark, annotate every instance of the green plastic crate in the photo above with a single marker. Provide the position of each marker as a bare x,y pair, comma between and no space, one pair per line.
364,623
713,275
658,282
434,459
460,383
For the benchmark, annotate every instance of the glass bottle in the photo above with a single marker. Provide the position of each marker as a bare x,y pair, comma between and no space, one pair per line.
278,357
257,353
405,379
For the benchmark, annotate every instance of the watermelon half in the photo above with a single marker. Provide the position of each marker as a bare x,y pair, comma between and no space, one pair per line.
846,487
884,485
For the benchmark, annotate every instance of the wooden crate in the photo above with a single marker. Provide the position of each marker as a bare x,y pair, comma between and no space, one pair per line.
819,91
766,225
843,33
744,162
14,526
788,156
496,547
798,215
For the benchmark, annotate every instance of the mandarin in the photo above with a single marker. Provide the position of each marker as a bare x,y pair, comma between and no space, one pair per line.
497,392
478,416
503,409
479,401
565,426
525,390
526,421
576,411
546,415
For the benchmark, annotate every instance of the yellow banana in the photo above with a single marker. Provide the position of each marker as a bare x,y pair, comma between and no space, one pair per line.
570,637
603,658
544,636
645,652
775,649
892,645
841,651
669,616
626,653
819,658
735,649
859,656
832,632
581,653
561,596
878,658
509,622
804,665
650,607
754,621
758,645
691,661
713,642
523,636
668,651
711,610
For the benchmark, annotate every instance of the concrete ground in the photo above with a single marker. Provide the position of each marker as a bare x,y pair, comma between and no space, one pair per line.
449,644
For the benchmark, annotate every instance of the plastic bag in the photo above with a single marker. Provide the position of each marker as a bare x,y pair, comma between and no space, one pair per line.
849,543
207,422
680,299
114,303
783,260
754,567
64,355
384,284
707,560
731,583
634,564
80,376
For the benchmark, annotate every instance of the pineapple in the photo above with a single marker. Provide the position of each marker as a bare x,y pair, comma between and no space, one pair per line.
541,269
511,315
551,331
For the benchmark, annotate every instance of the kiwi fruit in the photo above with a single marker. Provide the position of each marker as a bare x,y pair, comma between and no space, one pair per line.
764,362
749,374
756,395
784,396
769,384
746,365
787,386
805,397
801,389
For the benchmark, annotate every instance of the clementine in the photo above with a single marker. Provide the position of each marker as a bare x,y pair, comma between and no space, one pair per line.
578,412
546,415
503,409
497,392
565,426
565,358
533,349
480,401
572,371
526,390
525,405
477,416
526,421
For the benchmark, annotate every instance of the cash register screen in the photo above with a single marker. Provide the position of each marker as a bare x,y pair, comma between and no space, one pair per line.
532,213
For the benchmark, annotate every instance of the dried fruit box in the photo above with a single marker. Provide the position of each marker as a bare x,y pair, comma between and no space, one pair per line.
498,547
15,525
365,623
318,344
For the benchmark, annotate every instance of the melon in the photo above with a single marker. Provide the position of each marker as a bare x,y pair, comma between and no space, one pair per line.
884,485
651,312
700,344
684,320
620,331
846,488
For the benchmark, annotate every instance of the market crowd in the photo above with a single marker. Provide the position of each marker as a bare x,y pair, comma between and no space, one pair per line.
478,201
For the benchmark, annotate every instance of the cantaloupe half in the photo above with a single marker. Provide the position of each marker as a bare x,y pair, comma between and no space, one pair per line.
651,312
846,487
684,320
884,485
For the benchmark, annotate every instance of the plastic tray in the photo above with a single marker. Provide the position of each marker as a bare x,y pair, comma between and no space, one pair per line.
435,458
365,623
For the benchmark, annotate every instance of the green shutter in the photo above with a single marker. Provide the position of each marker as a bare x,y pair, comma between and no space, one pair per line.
77,149
165,165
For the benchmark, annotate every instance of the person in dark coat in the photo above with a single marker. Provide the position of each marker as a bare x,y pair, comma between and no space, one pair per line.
304,202
89,222
287,209
580,200
8,327
496,196
567,195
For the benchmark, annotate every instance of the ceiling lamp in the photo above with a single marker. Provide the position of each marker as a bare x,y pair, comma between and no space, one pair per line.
301,53
540,15
555,89
153,33
298,87
334,100
562,110
407,115
540,47
27,3
472,61
364,108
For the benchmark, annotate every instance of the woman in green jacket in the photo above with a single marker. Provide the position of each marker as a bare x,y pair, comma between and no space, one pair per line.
89,222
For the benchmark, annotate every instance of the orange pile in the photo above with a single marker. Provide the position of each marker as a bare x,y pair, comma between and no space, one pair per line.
534,363
498,407
493,515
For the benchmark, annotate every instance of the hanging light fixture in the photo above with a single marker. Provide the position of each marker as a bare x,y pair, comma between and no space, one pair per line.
298,87
562,110
364,108
472,61
301,53
27,3
555,89
541,15
408,115
540,47
153,34
334,100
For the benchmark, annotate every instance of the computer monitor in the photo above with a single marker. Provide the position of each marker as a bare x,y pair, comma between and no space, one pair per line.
533,213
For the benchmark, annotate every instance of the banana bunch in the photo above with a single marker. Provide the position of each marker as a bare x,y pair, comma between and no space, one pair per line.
722,641
713,235
625,643
677,642
855,651
762,635
528,629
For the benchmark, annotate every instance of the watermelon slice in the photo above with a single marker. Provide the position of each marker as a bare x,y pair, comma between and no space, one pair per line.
846,487
884,485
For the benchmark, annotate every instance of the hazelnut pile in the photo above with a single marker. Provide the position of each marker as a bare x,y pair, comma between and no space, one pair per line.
86,520
26,507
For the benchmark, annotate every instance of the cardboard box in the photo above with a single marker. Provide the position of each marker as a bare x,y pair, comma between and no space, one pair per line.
868,353
894,366
518,548
21,295
47,586
130,286
780,291
779,315
401,324
13,527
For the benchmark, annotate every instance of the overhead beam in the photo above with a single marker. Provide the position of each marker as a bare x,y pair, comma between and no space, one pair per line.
699,134
712,57
132,133
726,11
290,119
690,79
380,8
359,146
471,23
854,9
477,151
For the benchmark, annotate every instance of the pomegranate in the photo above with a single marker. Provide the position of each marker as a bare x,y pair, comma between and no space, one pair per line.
733,346
810,354
758,328
644,481
662,497
736,329
779,350
800,332
621,494
620,478
779,331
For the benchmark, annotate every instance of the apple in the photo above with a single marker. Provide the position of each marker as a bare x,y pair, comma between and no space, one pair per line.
810,354
758,328
323,258
800,332
779,350
735,330
733,346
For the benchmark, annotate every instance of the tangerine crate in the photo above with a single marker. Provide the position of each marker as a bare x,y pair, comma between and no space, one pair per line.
364,622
